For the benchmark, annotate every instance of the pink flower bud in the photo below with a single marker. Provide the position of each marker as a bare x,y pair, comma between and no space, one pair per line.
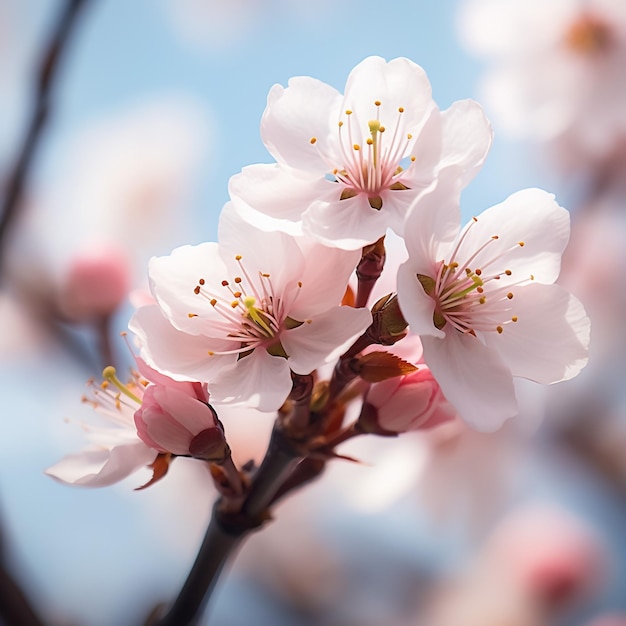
170,420
95,285
551,555
409,402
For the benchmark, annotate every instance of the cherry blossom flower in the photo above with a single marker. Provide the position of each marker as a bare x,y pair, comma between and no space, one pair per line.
557,72
483,301
151,414
242,313
116,451
347,167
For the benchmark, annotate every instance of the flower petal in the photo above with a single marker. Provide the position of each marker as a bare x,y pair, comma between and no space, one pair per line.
177,354
472,378
100,467
258,381
306,108
349,224
549,342
324,338
531,216
467,138
275,197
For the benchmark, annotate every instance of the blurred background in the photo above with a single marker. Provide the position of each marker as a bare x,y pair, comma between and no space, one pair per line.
156,104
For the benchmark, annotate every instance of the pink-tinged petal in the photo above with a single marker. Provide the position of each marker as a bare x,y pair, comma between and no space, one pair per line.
397,83
324,338
417,307
168,419
425,154
325,278
177,354
154,376
274,196
260,251
100,467
349,224
549,342
473,379
467,138
258,381
433,223
531,216
307,108
174,277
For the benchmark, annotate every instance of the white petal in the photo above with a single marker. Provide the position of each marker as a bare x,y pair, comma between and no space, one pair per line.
324,279
275,197
348,224
259,381
270,252
467,138
550,340
433,222
100,467
324,338
531,216
417,307
472,378
179,355
307,108
397,83
174,277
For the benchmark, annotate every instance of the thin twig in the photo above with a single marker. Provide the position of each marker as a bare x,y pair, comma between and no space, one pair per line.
47,74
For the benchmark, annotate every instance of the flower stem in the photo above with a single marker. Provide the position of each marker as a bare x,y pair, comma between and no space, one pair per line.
228,529
369,269
220,542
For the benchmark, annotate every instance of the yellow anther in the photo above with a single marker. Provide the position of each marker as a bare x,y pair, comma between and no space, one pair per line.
213,301
356,147
499,329
400,109
514,318
196,289
110,374
190,315
521,244
238,257
237,279
313,140
348,112
509,295
340,124
508,272
370,141
482,299
377,103
413,158
409,136
381,129
234,304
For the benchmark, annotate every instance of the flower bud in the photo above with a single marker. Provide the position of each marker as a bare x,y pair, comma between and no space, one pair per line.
170,420
406,403
95,285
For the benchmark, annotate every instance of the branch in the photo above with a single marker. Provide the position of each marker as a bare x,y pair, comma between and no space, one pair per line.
47,74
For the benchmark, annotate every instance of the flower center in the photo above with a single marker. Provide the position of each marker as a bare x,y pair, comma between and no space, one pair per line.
469,298
370,161
251,313
589,35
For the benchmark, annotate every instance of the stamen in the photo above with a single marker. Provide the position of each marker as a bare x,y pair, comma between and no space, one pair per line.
110,375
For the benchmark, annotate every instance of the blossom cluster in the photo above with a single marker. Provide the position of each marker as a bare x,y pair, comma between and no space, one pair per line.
342,276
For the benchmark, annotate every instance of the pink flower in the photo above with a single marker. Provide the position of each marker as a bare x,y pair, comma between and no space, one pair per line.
150,414
409,402
170,420
244,313
116,451
349,166
483,301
